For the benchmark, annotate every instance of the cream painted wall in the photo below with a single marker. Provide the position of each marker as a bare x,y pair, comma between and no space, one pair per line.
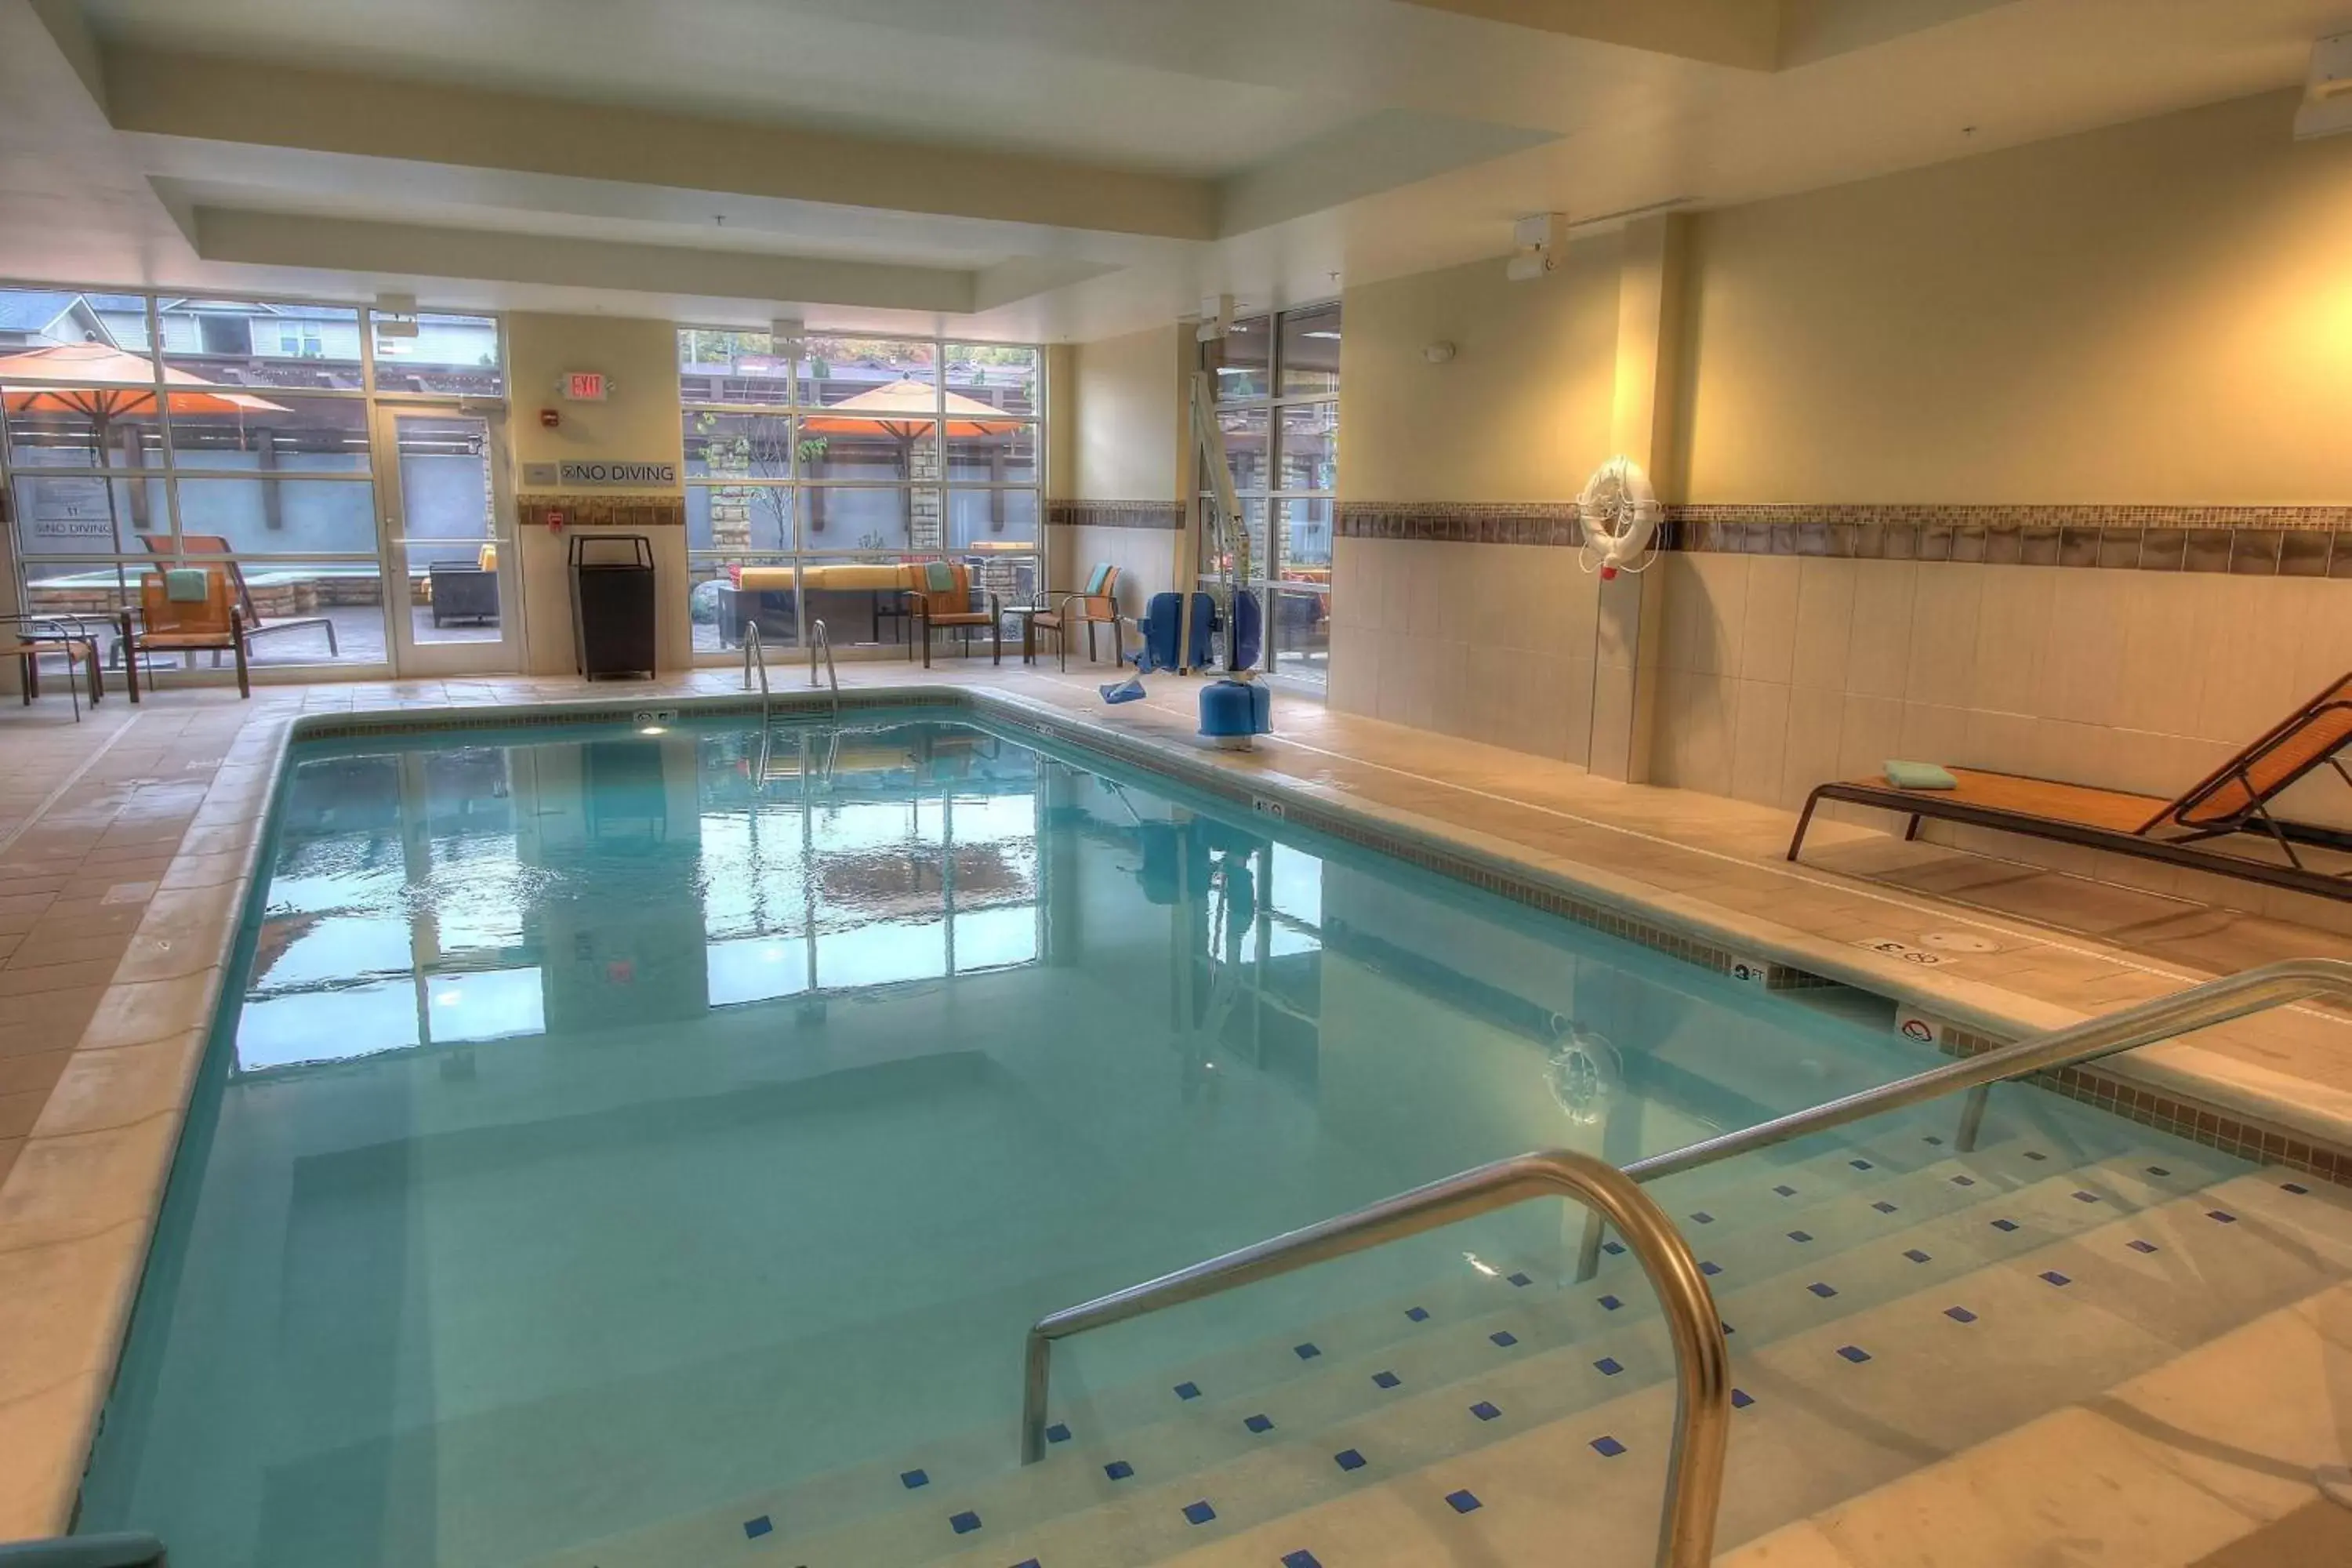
639,422
2160,311
1118,417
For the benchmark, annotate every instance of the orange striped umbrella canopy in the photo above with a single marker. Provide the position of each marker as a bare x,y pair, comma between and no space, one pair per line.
65,363
907,409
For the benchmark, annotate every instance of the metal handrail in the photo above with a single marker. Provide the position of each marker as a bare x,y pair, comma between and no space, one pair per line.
820,638
1702,1358
1694,1480
2200,1006
755,655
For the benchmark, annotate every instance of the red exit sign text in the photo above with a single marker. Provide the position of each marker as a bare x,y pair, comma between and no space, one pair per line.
585,386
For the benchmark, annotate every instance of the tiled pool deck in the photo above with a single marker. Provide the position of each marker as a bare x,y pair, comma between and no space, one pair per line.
126,843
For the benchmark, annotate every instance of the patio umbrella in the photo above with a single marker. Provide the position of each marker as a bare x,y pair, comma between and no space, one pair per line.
183,392
908,410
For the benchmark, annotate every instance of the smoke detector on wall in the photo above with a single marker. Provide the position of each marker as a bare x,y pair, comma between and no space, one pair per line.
1541,238
2326,108
1216,318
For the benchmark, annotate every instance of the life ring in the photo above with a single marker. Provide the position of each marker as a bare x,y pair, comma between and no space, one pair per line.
1621,513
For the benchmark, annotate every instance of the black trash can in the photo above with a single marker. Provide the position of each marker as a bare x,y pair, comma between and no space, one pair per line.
613,605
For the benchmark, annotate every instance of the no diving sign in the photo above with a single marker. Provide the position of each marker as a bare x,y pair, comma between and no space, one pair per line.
593,474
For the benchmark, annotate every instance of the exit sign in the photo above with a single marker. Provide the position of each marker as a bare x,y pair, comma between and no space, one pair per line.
585,386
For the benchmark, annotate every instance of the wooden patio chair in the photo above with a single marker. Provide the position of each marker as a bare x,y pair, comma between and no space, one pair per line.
940,593
2234,798
255,624
165,624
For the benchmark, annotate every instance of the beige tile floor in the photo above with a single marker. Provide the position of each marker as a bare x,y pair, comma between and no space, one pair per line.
126,841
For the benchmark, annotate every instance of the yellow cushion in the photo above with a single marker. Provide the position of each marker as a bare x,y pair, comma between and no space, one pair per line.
487,558
852,575
757,579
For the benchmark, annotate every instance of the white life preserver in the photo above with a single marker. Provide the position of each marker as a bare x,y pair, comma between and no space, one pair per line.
1621,513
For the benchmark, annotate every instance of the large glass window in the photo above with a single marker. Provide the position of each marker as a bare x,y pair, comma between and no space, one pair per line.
232,435
819,469
1278,382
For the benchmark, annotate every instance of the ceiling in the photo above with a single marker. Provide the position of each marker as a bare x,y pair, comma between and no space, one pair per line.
1060,169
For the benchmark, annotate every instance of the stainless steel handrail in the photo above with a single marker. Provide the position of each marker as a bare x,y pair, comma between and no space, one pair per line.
820,638
1702,1358
754,654
2198,1008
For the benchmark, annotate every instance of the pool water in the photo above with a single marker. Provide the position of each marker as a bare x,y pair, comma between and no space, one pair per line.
611,1123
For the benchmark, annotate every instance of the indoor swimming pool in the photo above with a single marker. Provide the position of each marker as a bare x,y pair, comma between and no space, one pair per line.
612,1122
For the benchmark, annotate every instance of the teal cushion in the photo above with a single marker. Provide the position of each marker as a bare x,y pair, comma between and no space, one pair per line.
1097,578
185,585
1919,776
938,577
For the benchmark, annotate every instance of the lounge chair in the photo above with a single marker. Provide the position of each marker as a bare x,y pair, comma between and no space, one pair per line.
255,625
945,598
2234,798
1097,604
27,637
165,624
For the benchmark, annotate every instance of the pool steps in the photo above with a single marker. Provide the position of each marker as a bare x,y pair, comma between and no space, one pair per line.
1547,1387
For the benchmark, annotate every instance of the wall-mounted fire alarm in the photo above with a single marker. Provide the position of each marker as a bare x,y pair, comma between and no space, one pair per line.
551,418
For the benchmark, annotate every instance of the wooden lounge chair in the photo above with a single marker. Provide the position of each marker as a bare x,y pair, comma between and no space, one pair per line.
950,607
1095,605
2234,798
165,624
255,625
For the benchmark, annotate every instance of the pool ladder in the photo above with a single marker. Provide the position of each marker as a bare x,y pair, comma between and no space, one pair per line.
755,660
1613,1197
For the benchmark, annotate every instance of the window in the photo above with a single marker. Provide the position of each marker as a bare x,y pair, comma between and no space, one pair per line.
229,435
1277,385
816,467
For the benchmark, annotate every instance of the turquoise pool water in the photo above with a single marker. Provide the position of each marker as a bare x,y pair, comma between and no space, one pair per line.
612,1123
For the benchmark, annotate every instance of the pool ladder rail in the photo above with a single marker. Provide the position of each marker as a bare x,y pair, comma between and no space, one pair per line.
1613,1196
755,661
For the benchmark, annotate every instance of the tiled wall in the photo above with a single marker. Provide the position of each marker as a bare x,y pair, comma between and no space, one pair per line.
1781,672
1491,642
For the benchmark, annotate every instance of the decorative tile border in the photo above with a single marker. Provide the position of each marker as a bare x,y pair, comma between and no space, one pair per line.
2244,1137
1166,516
2242,540
602,511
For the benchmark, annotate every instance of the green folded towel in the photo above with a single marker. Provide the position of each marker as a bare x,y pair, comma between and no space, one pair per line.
938,577
1919,776
185,585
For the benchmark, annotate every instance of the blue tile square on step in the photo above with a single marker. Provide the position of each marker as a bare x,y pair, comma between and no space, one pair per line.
1959,1314
1504,1338
1854,1353
1026,1562
1300,1560
2052,1276
755,1528
1933,1139
963,1524
1484,1411
1610,1303
1307,1351
1607,1447
2087,1197
1916,1256
1883,1206
1119,1470
1710,1269
1188,1391
1348,1459
1385,1380
1418,1314
1464,1501
1521,1280
910,1479
1608,1366
2138,1246
1741,1399
1800,1235
2004,1225
1057,1433
2223,1215
1258,1422
1964,1181
1785,1190
1702,1218
2158,1171
1860,1164
2035,1154
1200,1512
1613,1249
1823,1290
2297,1188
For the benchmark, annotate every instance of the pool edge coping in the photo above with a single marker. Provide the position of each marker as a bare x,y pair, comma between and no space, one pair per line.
88,1186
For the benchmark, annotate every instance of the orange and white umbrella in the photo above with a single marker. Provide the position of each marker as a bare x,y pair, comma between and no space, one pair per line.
907,409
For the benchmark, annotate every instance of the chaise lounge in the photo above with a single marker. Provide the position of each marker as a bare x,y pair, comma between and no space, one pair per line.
2234,798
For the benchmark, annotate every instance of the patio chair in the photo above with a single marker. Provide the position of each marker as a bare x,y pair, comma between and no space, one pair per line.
940,593
1097,604
29,637
2234,798
255,625
462,593
166,625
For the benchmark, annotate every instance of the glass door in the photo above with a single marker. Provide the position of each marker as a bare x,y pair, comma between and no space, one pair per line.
449,556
